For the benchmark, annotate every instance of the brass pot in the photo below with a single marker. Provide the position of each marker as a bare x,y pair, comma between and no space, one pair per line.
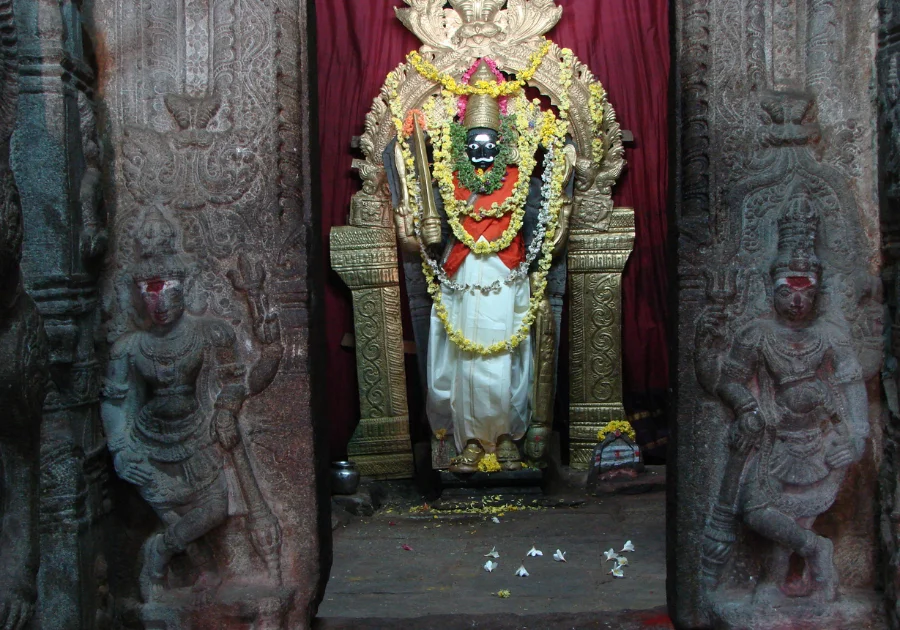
344,478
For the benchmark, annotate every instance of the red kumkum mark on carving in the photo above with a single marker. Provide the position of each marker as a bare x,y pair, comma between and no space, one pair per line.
155,286
799,282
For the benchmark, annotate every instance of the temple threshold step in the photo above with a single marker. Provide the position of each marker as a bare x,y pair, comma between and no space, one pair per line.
490,482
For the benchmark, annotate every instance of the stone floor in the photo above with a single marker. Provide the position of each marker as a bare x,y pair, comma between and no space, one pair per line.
411,567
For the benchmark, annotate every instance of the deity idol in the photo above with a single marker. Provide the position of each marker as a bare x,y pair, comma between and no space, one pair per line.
482,235
475,178
801,418
162,436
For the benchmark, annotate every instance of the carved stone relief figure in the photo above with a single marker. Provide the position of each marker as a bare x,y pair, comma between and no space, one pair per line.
794,385
206,113
164,437
773,122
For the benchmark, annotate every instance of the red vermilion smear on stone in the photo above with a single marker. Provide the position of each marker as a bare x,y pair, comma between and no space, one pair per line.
657,621
798,282
155,286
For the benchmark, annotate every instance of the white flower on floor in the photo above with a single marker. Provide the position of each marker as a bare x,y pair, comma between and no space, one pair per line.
495,519
559,556
490,566
621,561
617,571
535,552
492,553
628,546
610,555
521,572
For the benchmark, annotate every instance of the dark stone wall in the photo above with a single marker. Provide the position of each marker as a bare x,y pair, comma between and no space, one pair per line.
162,154
776,199
889,163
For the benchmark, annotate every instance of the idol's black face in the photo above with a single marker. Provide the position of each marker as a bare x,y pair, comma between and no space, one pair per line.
481,147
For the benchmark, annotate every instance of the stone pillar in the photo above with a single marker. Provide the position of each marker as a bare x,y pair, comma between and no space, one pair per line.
889,163
771,500
364,254
596,262
208,115
63,239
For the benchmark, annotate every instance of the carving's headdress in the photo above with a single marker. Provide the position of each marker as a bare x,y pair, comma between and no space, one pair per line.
482,110
157,256
797,227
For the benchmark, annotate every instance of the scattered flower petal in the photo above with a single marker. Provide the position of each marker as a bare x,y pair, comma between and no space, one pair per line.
521,572
492,553
503,594
406,547
495,519
617,571
490,566
392,523
535,552
610,555
628,546
559,556
621,561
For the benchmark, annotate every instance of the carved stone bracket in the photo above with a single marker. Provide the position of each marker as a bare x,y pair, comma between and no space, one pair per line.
366,259
596,262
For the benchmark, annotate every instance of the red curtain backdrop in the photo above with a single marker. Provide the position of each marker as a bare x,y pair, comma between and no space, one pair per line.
625,43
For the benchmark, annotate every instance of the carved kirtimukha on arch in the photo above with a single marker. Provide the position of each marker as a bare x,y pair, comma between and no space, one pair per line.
482,239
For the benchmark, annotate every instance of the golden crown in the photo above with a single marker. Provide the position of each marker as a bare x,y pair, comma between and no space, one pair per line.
482,110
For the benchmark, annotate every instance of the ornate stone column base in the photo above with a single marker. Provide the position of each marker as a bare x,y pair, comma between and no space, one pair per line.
854,609
596,262
262,607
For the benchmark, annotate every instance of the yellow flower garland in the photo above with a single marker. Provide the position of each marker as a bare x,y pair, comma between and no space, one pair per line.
597,118
496,90
455,208
552,132
522,334
622,426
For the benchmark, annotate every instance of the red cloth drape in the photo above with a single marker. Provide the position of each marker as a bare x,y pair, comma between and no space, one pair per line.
624,42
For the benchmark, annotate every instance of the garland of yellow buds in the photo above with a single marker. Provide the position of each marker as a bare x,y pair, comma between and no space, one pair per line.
617,426
596,106
496,90
515,203
551,134
539,287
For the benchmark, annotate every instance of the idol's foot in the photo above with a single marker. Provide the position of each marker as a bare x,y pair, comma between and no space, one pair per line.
153,573
821,568
467,461
508,453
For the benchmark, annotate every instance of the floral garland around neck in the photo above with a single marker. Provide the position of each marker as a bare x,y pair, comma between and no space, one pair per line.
445,177
514,204
551,134
477,180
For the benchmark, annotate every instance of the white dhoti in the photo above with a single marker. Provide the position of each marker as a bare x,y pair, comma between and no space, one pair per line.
469,395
